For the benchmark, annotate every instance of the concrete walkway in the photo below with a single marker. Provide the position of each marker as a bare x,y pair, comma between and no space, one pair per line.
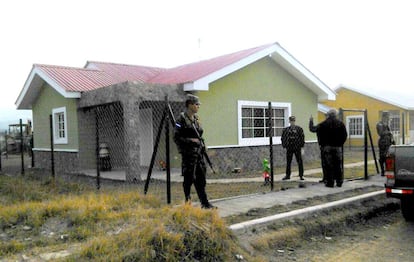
242,204
176,175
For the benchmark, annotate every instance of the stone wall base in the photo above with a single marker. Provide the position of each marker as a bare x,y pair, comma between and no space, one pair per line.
64,162
250,158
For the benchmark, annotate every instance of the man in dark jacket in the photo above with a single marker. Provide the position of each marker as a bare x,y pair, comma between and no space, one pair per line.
293,139
331,135
314,129
187,135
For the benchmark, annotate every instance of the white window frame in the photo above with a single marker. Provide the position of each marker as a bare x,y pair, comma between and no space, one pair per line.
57,138
259,140
395,129
348,121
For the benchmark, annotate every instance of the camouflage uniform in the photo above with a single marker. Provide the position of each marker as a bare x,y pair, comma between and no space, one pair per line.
385,140
193,165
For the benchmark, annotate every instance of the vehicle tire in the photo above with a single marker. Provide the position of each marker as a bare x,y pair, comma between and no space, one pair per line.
407,208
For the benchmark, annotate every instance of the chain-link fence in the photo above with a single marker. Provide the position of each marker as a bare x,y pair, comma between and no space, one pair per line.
16,149
361,138
132,145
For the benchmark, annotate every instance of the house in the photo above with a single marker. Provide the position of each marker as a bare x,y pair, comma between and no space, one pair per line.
354,102
122,105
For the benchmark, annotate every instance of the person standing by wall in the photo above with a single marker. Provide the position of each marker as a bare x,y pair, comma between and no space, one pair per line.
331,135
187,135
385,139
293,139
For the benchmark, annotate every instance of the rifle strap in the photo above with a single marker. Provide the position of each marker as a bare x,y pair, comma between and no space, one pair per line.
190,122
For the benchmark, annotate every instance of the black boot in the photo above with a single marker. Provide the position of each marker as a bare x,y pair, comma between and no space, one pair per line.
188,199
208,206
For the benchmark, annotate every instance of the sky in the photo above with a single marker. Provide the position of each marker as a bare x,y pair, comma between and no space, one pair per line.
366,45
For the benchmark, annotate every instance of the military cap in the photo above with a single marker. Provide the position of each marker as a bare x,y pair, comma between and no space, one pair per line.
292,118
192,99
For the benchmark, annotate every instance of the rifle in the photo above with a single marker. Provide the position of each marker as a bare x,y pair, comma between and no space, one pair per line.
203,149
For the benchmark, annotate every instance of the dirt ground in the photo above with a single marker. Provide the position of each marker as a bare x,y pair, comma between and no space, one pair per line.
356,232
385,238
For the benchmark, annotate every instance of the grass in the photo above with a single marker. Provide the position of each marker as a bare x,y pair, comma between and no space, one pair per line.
112,225
118,223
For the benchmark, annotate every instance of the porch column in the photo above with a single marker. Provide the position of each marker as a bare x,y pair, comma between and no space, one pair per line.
132,141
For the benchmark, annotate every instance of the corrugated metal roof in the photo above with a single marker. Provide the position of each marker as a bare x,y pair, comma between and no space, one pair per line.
191,72
100,74
77,79
123,72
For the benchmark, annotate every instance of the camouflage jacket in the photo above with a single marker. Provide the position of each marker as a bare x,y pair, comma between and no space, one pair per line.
184,131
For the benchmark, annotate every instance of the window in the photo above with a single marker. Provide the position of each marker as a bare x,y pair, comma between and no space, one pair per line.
254,121
60,135
355,125
395,122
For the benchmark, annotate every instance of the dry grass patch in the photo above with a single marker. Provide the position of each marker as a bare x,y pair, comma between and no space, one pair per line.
116,225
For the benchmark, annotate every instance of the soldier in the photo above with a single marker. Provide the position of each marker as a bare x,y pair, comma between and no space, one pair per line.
187,135
331,135
385,139
293,139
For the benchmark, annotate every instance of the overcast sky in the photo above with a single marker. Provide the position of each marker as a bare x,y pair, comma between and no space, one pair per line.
367,45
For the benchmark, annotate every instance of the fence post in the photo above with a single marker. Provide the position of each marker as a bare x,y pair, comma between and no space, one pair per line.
366,145
21,145
167,151
341,117
52,157
154,152
98,171
1,153
5,140
372,144
403,128
31,149
270,134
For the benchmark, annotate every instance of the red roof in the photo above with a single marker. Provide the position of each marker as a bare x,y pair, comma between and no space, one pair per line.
76,79
194,76
191,72
122,72
100,74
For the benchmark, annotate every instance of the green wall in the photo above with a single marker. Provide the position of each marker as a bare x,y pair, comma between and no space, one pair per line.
47,100
262,81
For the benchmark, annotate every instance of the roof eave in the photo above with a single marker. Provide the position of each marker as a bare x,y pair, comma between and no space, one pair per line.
198,85
300,72
374,97
202,84
323,108
33,86
282,57
27,92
